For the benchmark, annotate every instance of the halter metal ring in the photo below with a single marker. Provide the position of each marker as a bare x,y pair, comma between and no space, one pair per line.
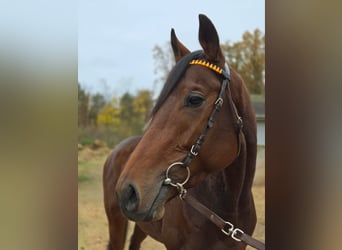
234,236
168,179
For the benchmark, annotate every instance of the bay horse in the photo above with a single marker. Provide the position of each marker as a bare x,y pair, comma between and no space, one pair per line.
143,175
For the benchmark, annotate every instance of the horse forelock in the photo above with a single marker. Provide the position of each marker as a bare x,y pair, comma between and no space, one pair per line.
174,77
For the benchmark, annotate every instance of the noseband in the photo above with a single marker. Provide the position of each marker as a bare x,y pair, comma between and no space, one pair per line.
226,227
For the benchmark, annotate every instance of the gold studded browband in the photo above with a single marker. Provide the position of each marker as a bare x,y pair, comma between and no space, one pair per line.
208,65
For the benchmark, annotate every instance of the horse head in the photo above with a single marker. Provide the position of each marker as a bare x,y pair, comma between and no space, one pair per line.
179,117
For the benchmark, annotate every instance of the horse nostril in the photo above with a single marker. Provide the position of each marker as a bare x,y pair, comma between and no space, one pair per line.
130,198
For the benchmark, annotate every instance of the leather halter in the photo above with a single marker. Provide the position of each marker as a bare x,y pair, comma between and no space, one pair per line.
226,227
194,150
217,106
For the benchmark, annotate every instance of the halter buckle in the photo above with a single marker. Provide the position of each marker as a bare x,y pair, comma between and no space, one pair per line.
219,101
192,151
230,229
237,230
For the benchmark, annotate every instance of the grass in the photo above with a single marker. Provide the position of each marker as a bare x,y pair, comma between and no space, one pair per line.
86,140
112,136
92,224
84,171
83,178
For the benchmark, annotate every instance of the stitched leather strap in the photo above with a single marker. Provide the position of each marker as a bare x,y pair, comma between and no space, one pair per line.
222,224
212,216
252,242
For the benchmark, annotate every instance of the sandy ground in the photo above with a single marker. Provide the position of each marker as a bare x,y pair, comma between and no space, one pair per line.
92,222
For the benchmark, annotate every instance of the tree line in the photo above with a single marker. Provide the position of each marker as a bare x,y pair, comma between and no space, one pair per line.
114,119
123,116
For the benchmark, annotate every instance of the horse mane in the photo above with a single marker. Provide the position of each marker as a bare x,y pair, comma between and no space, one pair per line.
174,77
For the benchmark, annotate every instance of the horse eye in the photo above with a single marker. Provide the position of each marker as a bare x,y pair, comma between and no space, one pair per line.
193,100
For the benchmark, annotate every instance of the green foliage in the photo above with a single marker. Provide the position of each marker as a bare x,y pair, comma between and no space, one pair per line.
83,171
117,119
83,103
97,103
89,107
142,106
112,136
128,114
83,178
109,116
87,140
248,58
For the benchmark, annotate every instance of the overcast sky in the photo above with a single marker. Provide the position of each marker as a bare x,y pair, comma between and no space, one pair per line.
116,37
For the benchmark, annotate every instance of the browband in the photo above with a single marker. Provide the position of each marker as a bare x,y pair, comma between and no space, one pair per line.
225,73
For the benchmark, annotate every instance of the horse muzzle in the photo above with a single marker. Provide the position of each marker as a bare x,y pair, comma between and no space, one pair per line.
136,206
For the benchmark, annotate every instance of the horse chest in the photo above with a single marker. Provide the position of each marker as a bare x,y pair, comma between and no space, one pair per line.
183,228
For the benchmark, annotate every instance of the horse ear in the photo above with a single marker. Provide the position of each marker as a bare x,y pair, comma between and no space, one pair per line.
209,40
179,50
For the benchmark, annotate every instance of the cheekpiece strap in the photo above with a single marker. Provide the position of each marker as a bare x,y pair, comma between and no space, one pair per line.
217,106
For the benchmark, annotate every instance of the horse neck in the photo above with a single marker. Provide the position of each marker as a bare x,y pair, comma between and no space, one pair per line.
226,192
221,190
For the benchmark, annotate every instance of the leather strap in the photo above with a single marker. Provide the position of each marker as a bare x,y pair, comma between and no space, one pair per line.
212,216
252,242
217,106
225,226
